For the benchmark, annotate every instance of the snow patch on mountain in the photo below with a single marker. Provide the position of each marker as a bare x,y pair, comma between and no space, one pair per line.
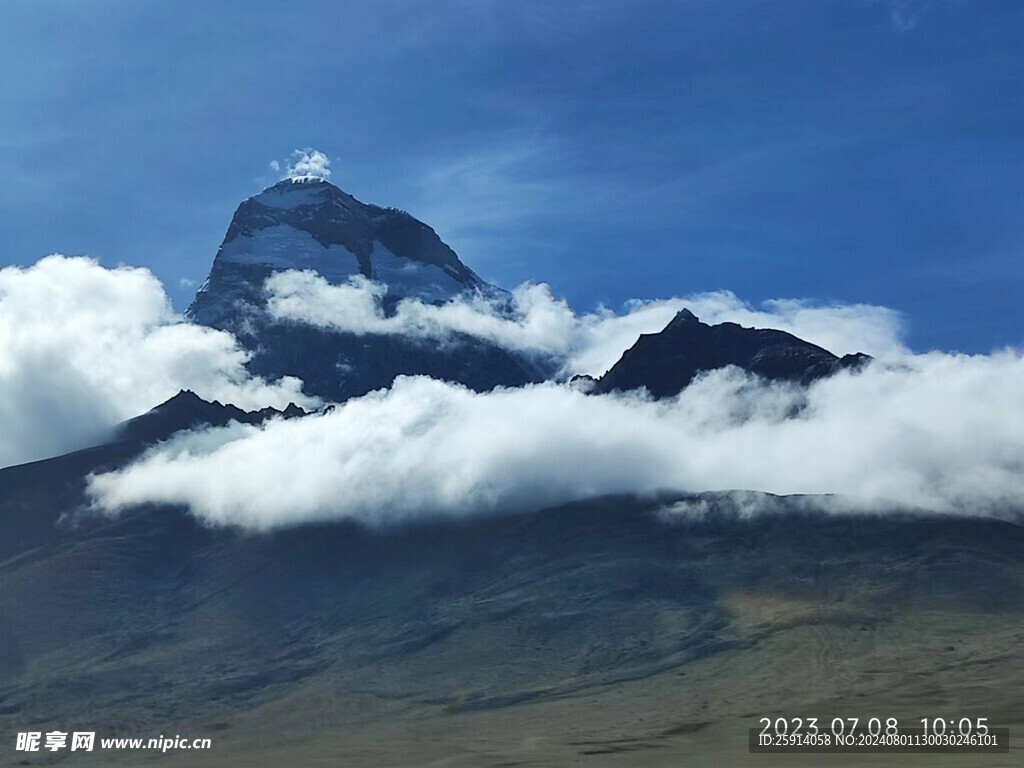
283,247
308,224
408,278
300,192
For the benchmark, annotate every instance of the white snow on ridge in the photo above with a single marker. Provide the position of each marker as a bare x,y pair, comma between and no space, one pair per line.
405,277
283,247
299,192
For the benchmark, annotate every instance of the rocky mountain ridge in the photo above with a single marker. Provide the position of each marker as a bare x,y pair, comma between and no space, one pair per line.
665,363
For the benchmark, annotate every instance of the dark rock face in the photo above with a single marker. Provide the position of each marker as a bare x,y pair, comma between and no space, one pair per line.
338,366
313,225
666,362
34,497
186,410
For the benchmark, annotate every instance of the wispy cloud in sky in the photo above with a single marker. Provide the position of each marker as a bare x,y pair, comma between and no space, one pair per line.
475,194
907,15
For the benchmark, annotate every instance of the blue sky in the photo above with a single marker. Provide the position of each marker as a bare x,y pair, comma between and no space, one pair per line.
840,150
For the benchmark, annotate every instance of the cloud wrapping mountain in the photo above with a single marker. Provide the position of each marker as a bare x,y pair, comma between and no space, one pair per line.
939,432
83,347
534,321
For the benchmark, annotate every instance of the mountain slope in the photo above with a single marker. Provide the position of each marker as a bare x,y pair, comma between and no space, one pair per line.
615,631
609,631
666,362
314,225
186,410
38,500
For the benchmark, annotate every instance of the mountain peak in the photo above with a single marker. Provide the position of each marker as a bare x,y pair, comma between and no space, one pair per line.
187,410
299,191
304,222
310,165
666,362
309,179
684,316
309,224
294,180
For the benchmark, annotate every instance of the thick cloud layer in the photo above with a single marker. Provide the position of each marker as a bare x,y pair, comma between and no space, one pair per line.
83,347
533,321
939,432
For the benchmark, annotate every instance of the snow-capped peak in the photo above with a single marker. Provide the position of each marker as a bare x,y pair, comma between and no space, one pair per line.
304,222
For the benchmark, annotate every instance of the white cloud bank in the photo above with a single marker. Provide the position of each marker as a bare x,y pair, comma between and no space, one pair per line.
940,432
83,347
535,322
